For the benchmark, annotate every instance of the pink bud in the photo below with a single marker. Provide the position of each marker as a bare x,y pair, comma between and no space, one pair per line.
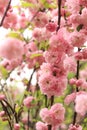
79,82
16,126
2,113
72,81
2,96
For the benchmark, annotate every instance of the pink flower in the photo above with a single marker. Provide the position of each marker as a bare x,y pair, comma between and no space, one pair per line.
21,21
10,64
54,116
10,19
30,47
45,68
11,48
51,85
70,64
34,58
73,6
78,55
75,127
83,73
83,2
41,19
28,101
77,39
84,15
54,57
70,98
59,42
41,126
75,19
51,26
36,33
81,103
3,4
39,34
59,112
84,53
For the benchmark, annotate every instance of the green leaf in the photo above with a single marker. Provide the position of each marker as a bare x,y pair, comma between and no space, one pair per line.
47,5
3,125
44,45
71,75
35,55
3,72
79,27
15,35
25,4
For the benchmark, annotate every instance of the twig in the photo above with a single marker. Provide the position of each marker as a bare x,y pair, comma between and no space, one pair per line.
59,14
28,118
29,82
7,112
77,90
13,111
49,127
28,86
52,100
5,13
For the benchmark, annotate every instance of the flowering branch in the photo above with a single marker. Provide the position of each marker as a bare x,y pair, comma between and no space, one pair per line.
5,13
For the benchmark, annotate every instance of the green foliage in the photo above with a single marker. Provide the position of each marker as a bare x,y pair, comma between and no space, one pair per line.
4,125
84,123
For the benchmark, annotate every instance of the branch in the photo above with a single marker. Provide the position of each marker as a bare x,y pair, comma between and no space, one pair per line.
8,114
29,82
59,14
28,119
5,13
13,111
77,90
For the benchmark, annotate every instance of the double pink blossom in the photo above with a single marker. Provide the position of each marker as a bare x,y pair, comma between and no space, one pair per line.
81,103
28,101
11,48
54,116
